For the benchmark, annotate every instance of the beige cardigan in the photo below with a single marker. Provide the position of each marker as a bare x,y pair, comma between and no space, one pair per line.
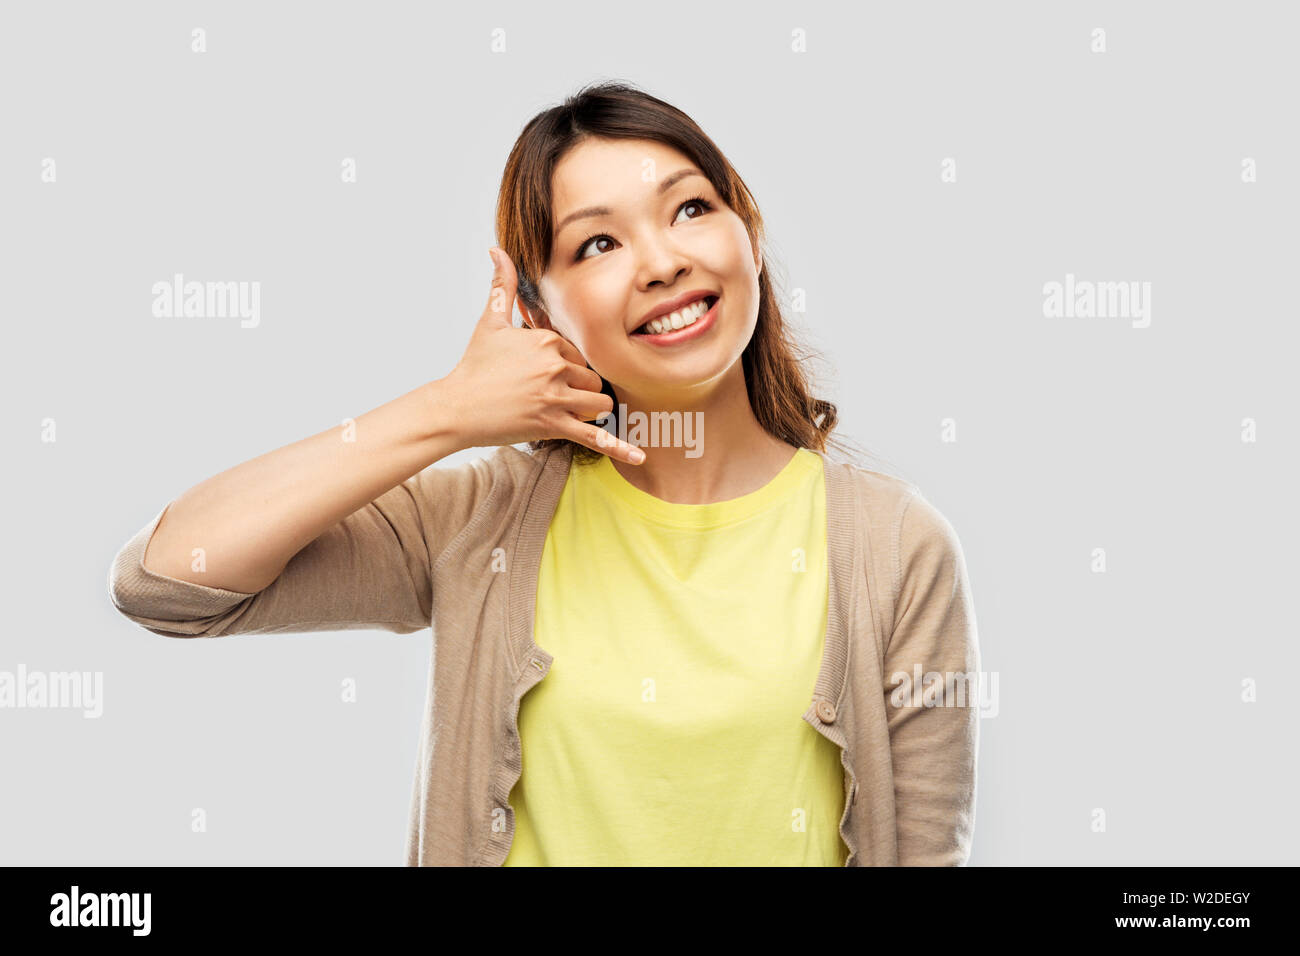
458,548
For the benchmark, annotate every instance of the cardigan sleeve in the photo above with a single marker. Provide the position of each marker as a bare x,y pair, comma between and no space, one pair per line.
933,726
371,571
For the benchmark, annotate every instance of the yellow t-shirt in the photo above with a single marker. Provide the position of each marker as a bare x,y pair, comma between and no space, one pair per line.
686,640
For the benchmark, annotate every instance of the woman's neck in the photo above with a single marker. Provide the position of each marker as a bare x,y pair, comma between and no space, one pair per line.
720,453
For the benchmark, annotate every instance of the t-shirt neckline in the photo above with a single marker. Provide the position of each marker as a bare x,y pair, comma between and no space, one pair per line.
712,514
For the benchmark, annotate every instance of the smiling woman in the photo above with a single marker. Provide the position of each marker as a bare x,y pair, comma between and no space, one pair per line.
726,578
673,652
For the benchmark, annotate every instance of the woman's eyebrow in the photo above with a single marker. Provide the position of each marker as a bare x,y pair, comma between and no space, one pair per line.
591,211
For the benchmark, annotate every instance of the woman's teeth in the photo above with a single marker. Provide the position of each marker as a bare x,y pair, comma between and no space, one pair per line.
678,320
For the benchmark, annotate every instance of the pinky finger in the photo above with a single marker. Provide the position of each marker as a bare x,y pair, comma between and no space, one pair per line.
598,439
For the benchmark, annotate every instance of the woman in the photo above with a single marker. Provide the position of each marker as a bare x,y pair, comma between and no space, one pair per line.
686,645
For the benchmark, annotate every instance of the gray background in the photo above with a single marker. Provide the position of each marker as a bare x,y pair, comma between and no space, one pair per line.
1119,691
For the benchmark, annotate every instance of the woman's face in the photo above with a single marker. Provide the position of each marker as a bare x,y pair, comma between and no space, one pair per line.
647,246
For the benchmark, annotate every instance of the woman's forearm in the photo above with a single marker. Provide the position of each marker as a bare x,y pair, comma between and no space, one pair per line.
250,520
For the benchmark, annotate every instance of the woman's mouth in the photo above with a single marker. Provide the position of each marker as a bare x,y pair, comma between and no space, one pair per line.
694,320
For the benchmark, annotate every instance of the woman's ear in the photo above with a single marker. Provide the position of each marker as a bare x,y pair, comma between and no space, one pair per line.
533,318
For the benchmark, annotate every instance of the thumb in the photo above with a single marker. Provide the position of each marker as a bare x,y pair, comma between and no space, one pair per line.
500,307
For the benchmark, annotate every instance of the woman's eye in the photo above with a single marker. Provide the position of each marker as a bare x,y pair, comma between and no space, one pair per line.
699,201
588,241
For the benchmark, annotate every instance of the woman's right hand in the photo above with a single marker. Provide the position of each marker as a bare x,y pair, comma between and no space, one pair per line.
517,385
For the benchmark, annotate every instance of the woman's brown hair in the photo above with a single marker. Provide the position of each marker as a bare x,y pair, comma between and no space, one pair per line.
772,361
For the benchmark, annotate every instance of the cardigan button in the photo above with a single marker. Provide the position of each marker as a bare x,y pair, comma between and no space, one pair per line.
825,711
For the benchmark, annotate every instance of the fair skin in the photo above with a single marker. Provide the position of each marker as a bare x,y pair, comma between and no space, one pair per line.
515,385
651,247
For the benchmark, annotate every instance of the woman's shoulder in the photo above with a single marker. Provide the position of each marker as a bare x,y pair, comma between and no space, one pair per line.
478,487
878,494
897,511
